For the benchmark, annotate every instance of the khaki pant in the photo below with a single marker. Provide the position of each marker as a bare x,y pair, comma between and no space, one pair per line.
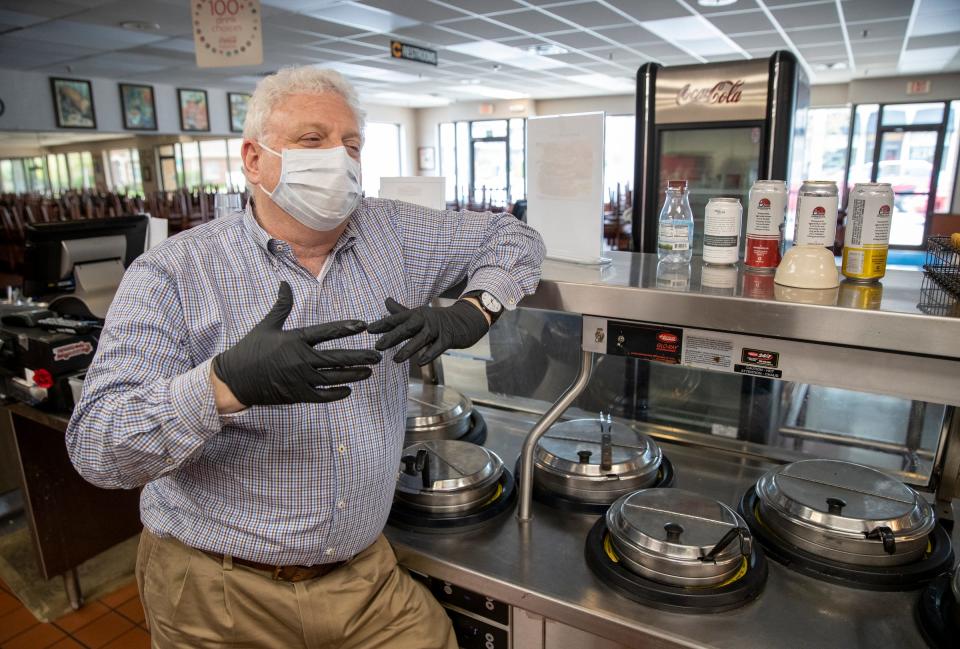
195,601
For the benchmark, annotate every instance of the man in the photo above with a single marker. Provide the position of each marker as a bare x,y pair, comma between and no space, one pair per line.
220,386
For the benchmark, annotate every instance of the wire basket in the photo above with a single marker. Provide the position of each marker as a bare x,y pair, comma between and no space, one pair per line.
935,300
943,263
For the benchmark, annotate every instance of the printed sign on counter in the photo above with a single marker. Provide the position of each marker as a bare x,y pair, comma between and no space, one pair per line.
227,33
565,185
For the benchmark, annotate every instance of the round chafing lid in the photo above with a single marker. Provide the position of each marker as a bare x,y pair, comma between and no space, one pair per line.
843,497
431,405
447,465
631,453
674,523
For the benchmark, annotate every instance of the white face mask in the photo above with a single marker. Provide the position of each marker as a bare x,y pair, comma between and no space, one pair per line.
318,187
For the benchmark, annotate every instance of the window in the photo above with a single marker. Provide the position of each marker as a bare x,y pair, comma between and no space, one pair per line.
948,166
211,164
214,163
380,156
484,161
825,151
618,141
123,167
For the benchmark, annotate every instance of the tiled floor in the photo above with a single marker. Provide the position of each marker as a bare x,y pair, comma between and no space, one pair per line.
115,621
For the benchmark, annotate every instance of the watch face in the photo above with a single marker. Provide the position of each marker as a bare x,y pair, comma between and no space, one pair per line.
490,303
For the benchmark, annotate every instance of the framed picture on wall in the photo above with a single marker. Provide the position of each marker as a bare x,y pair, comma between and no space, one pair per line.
237,101
194,112
73,103
427,159
139,108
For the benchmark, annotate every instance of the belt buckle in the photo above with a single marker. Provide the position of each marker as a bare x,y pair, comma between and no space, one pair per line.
276,572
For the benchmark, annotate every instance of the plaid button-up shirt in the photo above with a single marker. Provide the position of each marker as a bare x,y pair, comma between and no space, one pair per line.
297,484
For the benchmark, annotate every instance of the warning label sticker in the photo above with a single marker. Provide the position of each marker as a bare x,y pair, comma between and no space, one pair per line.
752,370
711,353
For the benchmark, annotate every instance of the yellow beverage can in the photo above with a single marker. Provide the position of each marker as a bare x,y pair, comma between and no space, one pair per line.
867,236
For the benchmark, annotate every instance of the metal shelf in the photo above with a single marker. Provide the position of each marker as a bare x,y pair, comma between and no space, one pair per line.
627,289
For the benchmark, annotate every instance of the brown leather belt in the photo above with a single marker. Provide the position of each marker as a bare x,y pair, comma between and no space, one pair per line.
284,573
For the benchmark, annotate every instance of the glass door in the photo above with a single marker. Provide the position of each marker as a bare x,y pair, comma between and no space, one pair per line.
908,155
490,178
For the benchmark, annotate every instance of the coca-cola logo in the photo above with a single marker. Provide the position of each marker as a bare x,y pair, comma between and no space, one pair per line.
666,337
819,211
884,210
764,202
722,92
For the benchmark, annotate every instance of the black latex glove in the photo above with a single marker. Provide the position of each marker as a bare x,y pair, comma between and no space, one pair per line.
271,366
431,329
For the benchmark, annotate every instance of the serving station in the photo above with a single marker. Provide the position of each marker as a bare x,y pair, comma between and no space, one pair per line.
699,469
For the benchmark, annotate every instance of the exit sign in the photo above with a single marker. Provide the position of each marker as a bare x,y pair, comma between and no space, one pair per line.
918,87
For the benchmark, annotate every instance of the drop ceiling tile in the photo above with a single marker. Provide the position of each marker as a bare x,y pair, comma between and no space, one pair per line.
573,59
878,46
878,29
86,35
741,23
279,36
629,35
422,11
357,48
176,44
45,8
650,9
578,39
761,52
679,60
171,23
822,52
768,40
13,19
24,54
824,34
588,14
938,40
779,3
662,49
475,28
532,21
854,10
310,24
806,16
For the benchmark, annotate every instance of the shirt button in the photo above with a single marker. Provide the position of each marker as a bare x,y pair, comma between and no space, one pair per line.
328,552
341,504
342,448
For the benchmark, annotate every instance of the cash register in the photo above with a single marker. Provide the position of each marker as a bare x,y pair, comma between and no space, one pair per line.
71,273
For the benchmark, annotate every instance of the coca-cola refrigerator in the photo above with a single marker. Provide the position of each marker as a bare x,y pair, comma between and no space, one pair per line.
718,126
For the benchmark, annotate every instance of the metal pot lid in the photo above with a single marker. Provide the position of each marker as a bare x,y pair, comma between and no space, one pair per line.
843,498
679,526
594,448
445,466
431,406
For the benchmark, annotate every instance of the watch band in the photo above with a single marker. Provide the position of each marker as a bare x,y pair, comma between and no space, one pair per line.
494,315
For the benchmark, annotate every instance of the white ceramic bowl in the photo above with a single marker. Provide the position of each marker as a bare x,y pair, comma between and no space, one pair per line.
808,266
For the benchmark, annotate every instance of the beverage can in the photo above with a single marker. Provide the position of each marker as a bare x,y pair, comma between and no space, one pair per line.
721,230
816,213
867,236
766,212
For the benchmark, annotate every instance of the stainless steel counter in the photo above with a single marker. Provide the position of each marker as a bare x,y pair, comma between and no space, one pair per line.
539,567
627,289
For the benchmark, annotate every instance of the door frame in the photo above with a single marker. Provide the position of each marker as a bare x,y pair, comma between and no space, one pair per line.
940,129
505,139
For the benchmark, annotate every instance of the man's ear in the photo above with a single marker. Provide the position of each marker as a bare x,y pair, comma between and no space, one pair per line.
250,153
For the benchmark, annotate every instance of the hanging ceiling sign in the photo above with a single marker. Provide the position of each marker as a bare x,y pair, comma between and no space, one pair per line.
400,50
227,32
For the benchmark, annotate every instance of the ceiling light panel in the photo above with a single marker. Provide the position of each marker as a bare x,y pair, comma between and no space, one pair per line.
506,54
488,92
354,14
405,99
928,59
604,82
369,72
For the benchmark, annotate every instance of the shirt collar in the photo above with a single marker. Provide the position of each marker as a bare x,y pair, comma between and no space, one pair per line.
263,239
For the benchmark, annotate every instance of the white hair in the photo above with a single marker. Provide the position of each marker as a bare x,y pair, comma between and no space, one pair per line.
300,80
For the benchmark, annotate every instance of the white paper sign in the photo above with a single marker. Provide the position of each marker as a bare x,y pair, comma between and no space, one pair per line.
227,32
565,184
428,191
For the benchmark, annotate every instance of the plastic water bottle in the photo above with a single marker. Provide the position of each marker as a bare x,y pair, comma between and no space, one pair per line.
675,233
